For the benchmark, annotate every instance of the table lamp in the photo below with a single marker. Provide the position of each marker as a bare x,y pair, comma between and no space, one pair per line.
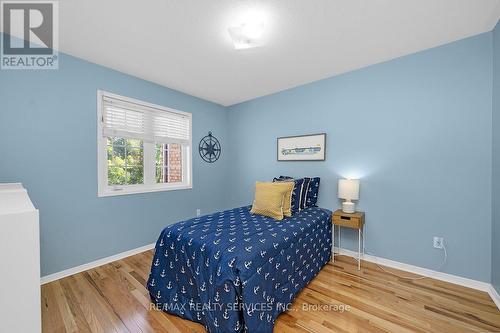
348,190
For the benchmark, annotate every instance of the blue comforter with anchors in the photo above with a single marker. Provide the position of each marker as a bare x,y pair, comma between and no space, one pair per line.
234,271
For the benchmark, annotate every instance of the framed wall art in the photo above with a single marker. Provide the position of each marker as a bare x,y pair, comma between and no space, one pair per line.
309,147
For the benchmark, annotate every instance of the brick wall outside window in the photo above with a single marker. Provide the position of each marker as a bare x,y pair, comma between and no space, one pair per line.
174,163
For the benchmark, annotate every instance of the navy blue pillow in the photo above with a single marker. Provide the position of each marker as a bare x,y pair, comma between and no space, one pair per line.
281,178
299,183
312,192
296,193
303,195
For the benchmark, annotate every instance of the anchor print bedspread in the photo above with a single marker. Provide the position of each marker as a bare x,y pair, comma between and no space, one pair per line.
233,271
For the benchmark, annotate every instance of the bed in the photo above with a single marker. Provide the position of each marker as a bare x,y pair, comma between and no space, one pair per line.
234,271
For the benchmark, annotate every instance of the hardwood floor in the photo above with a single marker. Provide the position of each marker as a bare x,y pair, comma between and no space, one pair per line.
112,298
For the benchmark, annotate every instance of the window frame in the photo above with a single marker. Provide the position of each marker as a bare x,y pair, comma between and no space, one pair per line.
149,150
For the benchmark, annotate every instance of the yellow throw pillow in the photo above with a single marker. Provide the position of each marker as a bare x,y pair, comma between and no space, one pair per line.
287,200
269,199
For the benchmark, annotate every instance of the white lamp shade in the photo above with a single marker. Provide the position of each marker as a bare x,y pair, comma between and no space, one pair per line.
349,189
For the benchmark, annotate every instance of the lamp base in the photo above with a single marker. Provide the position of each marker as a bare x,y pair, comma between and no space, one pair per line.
348,207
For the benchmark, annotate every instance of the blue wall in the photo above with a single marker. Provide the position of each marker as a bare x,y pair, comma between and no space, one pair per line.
55,158
495,262
415,130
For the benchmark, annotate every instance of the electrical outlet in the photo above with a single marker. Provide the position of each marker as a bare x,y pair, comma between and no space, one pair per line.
438,242
198,212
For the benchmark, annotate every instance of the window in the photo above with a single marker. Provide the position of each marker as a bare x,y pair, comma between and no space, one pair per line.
141,147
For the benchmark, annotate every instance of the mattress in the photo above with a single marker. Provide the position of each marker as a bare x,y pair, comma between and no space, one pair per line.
234,271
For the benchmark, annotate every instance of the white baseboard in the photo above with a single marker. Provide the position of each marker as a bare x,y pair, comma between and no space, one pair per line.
474,284
495,296
96,263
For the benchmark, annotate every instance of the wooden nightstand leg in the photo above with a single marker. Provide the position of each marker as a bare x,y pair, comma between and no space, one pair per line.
359,249
363,238
333,243
338,246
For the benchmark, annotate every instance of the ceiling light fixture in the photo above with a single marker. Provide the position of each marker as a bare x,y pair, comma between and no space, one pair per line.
246,35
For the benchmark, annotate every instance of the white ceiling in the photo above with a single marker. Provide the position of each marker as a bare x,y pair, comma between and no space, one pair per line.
184,44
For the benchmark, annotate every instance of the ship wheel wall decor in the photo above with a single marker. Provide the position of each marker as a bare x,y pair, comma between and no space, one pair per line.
209,148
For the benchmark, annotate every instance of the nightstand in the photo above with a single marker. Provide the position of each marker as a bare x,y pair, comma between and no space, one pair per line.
349,220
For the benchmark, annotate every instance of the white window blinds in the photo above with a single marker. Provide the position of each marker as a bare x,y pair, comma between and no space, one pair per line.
129,119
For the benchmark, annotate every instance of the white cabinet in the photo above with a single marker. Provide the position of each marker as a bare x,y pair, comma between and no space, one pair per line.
20,310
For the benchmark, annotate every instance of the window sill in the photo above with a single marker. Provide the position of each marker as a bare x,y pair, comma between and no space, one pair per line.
110,192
